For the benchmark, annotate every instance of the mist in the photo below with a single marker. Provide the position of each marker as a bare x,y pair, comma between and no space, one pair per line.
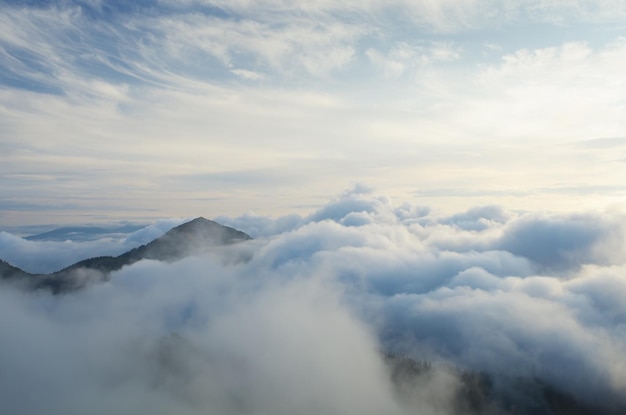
307,323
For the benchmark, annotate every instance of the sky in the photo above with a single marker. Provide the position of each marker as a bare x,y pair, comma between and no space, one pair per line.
437,179
142,110
529,299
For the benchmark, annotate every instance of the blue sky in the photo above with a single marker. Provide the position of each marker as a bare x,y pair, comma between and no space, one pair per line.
183,108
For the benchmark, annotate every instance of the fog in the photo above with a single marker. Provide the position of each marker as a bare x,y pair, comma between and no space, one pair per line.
304,325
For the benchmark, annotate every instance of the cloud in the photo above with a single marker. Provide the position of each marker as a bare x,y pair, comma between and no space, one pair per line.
299,327
316,48
373,91
605,142
565,242
481,303
440,15
513,331
478,218
247,75
212,339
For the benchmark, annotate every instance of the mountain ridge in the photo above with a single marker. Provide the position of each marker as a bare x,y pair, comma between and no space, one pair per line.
10,272
190,238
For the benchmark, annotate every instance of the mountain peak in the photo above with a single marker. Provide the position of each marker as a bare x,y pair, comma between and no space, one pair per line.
201,231
200,219
197,224
197,236
191,238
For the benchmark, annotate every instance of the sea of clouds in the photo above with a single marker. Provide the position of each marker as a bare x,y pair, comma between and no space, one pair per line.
301,325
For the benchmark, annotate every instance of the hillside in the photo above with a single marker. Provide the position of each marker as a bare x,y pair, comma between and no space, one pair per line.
9,272
191,238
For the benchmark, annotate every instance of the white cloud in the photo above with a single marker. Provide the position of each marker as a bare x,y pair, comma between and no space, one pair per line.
438,15
402,57
154,102
247,75
298,327
316,47
207,340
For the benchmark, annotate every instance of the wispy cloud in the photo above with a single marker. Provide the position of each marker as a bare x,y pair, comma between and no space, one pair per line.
113,98
601,143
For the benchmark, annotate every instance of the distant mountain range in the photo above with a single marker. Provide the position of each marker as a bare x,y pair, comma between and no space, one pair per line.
82,233
191,238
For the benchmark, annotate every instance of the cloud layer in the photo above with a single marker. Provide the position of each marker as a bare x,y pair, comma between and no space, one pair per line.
300,326
113,111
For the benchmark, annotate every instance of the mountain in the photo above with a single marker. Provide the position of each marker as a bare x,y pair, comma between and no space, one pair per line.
9,272
82,233
192,238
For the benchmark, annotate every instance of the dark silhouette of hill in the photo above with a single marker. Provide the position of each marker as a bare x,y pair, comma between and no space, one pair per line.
190,238
480,393
9,272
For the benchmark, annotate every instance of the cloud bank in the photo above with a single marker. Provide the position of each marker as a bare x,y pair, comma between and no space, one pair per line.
528,299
